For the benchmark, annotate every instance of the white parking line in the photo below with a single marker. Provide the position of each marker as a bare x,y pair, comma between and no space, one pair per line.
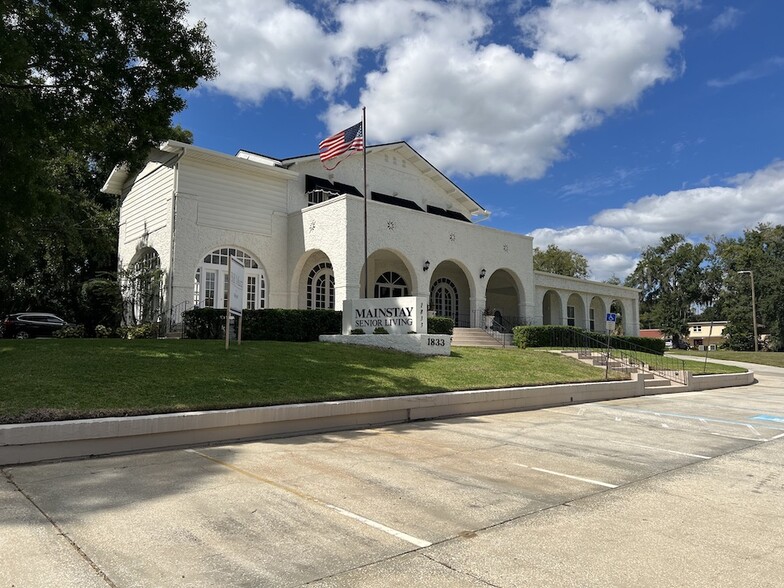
342,511
737,437
588,480
376,525
697,455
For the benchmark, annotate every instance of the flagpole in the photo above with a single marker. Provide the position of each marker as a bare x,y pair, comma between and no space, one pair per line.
364,167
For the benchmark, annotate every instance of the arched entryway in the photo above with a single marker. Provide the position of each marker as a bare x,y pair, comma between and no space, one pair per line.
316,282
575,311
618,308
389,275
551,309
450,293
143,287
503,298
597,314
445,299
211,279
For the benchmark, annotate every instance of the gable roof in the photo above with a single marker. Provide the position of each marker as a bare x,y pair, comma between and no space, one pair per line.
403,150
121,174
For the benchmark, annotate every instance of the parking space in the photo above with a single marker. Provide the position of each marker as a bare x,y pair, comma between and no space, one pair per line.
646,491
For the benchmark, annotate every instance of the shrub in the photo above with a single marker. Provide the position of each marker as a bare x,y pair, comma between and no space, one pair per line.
100,303
656,346
380,331
281,324
540,336
70,332
440,325
143,331
103,332
204,323
357,331
562,336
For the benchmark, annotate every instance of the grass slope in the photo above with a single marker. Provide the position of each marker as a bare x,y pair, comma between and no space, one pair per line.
74,378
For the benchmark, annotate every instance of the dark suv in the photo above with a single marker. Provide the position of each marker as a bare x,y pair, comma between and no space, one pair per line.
31,324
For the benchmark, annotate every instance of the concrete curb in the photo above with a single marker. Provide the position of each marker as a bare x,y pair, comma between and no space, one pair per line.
33,442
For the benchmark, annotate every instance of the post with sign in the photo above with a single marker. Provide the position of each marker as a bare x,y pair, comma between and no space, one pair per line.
236,288
610,323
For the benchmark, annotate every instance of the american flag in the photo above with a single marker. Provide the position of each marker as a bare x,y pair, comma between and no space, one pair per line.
351,139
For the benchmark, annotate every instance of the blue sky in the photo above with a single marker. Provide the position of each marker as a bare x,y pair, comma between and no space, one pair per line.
596,125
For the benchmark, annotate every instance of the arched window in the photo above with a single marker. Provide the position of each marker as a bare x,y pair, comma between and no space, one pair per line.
211,282
443,298
390,285
321,287
145,285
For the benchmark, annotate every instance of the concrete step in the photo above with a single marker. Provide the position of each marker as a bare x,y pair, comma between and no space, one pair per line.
651,380
657,382
174,333
466,337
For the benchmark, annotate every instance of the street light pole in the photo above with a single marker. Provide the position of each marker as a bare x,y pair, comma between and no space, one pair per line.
753,307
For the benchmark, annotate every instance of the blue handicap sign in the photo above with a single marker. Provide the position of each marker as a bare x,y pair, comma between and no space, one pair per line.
611,317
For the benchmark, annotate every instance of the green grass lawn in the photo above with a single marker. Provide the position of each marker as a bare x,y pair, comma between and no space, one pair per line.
56,379
760,357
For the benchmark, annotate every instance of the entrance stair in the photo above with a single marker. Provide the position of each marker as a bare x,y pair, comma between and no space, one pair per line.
470,337
652,381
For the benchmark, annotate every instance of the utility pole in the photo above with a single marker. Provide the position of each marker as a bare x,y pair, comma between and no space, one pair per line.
753,307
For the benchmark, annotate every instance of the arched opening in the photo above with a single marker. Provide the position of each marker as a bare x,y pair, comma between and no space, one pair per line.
143,287
575,311
617,307
551,309
445,299
211,280
320,289
503,297
597,314
450,293
390,285
389,276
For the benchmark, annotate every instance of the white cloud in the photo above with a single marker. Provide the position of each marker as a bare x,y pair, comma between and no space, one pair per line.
471,106
757,71
264,46
728,19
613,242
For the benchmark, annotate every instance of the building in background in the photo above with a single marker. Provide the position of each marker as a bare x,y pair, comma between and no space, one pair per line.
299,230
706,334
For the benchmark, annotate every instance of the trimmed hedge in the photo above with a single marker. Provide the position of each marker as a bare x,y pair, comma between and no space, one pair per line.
204,323
559,336
268,324
440,325
281,324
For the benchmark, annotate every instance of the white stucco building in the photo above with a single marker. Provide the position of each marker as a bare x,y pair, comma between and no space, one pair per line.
299,230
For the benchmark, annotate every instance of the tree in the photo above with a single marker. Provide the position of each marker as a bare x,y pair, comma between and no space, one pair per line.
760,250
559,261
671,278
83,86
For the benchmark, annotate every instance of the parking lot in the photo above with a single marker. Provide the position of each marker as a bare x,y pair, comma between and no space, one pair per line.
682,490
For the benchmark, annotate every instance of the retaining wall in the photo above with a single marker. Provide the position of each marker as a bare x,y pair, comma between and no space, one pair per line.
32,442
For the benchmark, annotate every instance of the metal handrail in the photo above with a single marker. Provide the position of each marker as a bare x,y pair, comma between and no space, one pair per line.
604,353
496,332
175,314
